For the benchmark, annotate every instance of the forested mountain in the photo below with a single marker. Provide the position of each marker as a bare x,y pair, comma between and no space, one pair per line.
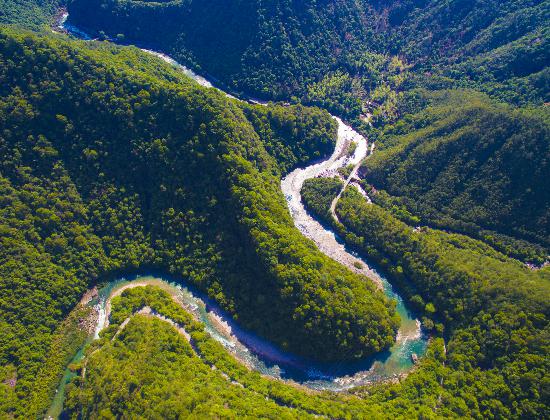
111,161
433,31
500,47
469,164
29,13
492,310
352,57
273,48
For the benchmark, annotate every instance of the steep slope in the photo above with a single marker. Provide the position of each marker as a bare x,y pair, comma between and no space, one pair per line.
111,161
149,370
492,310
29,13
272,49
339,53
145,367
500,47
471,165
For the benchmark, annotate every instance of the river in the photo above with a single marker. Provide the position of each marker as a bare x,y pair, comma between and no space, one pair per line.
254,351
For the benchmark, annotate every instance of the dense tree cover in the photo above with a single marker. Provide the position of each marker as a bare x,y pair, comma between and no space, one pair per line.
148,361
112,161
29,13
156,372
492,310
292,135
148,368
151,372
270,48
126,374
354,58
473,166
318,193
107,163
315,52
497,46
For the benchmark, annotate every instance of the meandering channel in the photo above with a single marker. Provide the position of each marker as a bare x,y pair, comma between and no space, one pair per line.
254,351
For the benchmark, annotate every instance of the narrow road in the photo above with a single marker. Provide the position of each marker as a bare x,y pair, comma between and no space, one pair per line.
291,186
351,176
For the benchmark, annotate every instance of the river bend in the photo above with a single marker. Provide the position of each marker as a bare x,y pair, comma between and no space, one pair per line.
254,351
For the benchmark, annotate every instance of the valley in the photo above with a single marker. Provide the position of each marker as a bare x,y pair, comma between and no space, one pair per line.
238,252
318,376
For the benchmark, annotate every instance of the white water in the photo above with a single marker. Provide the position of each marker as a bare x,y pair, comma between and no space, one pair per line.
101,320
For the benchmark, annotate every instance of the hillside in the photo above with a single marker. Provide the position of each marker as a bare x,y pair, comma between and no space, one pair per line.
492,310
272,49
471,165
498,47
112,162
29,13
354,58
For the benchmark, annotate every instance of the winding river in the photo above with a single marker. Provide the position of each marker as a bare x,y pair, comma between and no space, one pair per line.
254,351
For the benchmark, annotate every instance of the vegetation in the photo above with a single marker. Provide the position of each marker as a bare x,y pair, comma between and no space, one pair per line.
318,194
258,55
473,166
492,310
29,13
356,59
197,378
501,49
112,161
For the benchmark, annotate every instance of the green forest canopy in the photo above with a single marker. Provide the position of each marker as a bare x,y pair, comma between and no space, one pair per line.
112,161
492,310
76,205
29,13
351,57
466,163
175,377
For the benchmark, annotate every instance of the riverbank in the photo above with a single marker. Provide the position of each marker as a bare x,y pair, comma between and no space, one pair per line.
256,352
325,239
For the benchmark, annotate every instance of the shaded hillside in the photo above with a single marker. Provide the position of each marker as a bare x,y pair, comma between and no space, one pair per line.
492,310
341,53
29,13
501,47
272,49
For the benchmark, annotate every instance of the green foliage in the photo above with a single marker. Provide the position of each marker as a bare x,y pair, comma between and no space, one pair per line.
67,340
293,135
392,204
500,48
259,56
356,59
147,367
29,13
112,161
318,194
494,309
473,166
148,361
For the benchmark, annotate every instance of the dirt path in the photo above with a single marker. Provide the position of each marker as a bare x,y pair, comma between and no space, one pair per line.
292,184
351,180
